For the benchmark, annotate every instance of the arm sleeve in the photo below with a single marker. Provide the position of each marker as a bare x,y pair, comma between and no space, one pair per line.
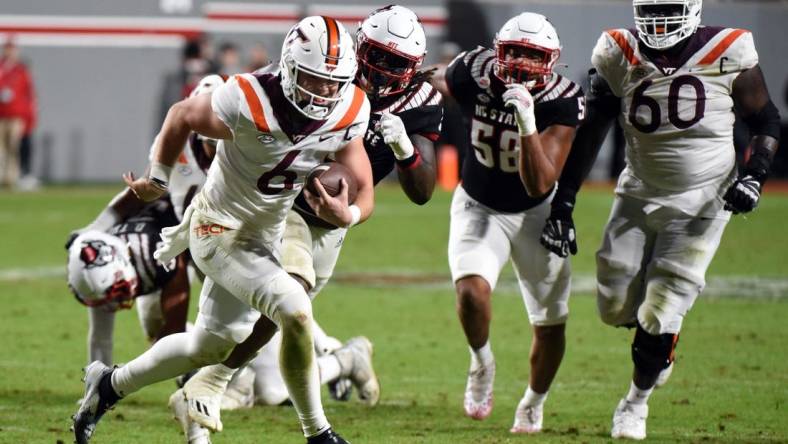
602,108
459,79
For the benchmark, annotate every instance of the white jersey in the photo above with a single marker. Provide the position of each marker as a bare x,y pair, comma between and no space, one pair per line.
255,177
677,114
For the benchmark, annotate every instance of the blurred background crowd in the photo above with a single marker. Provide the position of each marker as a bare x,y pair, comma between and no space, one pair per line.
84,87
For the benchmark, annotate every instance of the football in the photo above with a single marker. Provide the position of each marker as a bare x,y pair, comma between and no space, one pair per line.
329,174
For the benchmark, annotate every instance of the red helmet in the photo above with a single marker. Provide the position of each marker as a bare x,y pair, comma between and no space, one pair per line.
391,47
526,50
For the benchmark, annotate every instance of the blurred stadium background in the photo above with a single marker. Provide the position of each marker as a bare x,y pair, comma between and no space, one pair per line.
106,71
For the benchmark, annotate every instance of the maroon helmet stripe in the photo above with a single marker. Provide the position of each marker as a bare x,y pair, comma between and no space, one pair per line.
332,47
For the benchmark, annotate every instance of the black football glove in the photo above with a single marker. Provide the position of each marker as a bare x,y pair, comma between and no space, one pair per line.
558,235
743,195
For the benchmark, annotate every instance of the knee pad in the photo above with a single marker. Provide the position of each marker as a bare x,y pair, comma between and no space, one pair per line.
653,353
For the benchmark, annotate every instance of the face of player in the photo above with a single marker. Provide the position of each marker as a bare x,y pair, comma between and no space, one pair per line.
317,86
521,55
523,64
662,12
381,71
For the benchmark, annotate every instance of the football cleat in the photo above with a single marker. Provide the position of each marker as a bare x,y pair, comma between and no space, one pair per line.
478,401
93,405
663,376
240,391
329,436
340,389
194,433
204,400
629,421
355,359
527,418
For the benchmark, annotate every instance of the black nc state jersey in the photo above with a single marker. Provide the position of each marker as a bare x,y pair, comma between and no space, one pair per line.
490,174
421,112
141,233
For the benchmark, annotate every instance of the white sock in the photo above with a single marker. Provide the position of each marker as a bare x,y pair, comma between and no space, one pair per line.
534,399
638,396
169,357
329,368
481,356
298,364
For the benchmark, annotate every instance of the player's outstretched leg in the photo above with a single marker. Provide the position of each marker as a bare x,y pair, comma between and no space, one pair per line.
547,351
355,361
473,308
194,433
98,398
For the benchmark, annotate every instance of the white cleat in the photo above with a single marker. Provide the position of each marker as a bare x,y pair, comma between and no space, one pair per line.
478,402
527,418
355,358
204,400
629,421
194,433
240,391
663,377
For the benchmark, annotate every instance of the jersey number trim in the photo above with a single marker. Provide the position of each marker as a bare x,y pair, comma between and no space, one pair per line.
280,170
482,133
639,99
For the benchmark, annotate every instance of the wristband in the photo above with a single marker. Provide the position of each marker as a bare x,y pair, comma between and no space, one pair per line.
410,162
403,148
355,215
527,127
160,174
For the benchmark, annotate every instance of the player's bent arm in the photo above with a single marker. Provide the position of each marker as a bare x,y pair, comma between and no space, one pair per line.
752,102
602,108
354,157
192,114
175,300
417,173
542,157
438,80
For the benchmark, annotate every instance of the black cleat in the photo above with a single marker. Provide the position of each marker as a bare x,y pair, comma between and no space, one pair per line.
93,405
327,437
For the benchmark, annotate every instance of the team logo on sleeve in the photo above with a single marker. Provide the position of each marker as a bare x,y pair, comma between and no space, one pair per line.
96,253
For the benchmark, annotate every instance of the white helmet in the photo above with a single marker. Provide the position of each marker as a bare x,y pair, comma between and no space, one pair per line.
663,23
533,41
321,47
391,47
100,271
207,84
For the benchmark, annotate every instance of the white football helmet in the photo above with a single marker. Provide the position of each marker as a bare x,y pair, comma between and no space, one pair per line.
321,47
391,47
533,42
663,23
207,85
100,271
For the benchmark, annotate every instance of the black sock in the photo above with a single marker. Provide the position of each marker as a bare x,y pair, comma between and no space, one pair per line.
106,391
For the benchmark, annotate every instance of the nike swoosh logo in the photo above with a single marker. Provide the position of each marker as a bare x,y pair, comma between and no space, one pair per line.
325,137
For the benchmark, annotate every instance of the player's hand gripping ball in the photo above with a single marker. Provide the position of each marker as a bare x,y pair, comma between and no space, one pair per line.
329,174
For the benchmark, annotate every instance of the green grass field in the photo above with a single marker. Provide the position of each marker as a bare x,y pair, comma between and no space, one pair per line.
730,383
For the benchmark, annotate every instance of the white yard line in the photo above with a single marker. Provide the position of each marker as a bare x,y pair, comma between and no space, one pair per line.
716,286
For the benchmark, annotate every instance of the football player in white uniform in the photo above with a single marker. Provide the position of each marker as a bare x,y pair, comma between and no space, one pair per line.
273,128
674,87
405,122
522,119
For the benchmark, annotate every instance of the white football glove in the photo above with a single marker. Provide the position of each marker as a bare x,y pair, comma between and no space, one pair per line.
518,97
393,131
